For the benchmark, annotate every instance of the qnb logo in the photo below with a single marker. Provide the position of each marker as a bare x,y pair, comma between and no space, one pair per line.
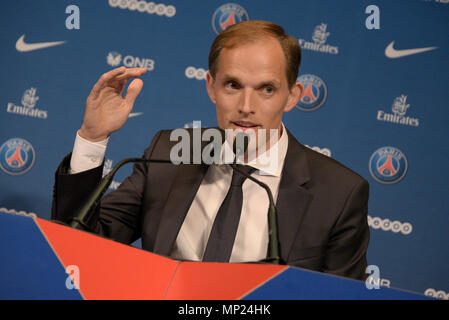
387,225
319,37
19,213
114,59
194,73
227,15
440,294
142,6
29,100
388,165
399,109
17,156
324,151
315,92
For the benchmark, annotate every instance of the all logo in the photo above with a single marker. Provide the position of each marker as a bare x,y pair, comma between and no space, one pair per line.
17,156
399,109
114,59
315,92
227,15
319,37
29,100
388,165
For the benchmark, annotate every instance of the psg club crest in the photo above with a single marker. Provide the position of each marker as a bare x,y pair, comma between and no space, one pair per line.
227,15
315,92
388,165
16,156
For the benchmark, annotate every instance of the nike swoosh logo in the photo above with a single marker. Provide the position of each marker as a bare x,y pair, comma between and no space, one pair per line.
135,114
21,46
392,53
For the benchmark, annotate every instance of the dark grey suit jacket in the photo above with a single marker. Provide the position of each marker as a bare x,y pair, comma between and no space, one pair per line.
321,205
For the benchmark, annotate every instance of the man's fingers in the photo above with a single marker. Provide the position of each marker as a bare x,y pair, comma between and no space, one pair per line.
133,91
105,78
131,73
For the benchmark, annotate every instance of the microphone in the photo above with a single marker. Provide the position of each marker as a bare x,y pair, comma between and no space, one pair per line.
273,237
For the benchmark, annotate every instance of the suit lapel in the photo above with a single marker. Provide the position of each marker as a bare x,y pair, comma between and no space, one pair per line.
293,198
182,192
184,188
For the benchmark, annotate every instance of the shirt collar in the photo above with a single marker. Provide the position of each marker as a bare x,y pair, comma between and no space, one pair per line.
267,163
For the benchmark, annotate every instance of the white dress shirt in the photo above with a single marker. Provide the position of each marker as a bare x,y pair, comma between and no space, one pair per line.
251,242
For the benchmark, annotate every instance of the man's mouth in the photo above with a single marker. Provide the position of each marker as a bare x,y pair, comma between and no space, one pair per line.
245,125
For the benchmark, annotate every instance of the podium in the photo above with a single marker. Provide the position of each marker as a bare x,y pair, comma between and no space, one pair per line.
35,255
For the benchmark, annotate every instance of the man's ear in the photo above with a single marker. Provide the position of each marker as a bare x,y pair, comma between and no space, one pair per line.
296,92
210,87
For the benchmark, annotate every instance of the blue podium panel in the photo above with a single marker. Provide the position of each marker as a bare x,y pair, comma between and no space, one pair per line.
33,268
35,272
294,284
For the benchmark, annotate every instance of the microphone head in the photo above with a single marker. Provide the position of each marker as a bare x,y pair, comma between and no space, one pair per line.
241,143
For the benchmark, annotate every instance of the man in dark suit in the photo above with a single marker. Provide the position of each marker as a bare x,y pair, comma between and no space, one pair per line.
321,205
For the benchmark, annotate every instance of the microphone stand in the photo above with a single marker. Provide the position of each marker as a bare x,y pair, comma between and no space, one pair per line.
273,238
273,241
80,220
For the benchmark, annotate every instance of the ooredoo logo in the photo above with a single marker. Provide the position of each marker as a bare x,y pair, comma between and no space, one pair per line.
388,165
227,15
17,156
196,73
388,225
143,6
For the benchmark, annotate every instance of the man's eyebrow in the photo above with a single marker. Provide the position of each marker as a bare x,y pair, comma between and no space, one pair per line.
228,77
274,83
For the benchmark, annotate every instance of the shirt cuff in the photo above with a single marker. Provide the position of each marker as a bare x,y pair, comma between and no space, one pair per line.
87,155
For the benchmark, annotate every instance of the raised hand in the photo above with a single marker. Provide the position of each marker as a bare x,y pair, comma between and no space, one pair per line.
106,110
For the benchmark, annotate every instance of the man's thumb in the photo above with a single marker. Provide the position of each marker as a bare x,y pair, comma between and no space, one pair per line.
133,91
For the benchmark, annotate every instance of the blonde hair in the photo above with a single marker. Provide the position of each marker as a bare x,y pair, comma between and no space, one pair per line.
251,31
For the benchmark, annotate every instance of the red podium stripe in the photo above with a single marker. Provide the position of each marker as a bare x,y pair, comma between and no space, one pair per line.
219,281
109,270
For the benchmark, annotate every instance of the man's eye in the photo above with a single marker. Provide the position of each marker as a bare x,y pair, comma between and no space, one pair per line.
231,85
268,90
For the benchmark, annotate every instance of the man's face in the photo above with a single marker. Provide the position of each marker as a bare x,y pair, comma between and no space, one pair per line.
250,89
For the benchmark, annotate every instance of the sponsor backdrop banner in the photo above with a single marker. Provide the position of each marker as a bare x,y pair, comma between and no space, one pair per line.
375,73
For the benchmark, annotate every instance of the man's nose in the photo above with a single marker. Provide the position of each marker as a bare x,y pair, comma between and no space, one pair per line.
247,104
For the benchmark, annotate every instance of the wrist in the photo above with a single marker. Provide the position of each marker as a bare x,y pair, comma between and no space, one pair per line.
89,137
